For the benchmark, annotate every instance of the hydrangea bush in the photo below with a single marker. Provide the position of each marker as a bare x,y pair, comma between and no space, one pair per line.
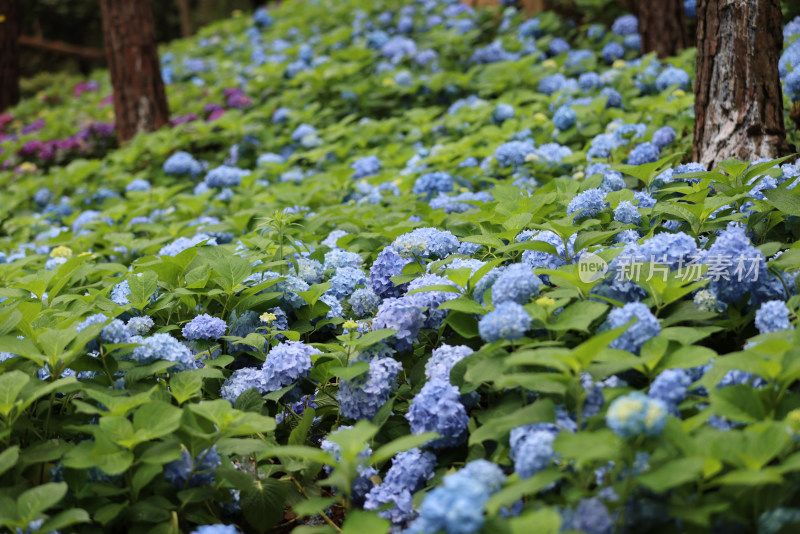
397,266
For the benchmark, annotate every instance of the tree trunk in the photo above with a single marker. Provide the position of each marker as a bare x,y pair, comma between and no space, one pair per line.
186,17
140,102
737,91
662,25
9,53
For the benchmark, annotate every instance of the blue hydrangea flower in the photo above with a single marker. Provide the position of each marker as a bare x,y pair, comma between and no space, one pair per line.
287,363
426,243
741,267
672,76
590,516
333,238
289,286
225,176
181,164
204,326
407,475
588,203
564,118
163,347
217,528
613,97
539,259
442,361
612,51
508,321
138,184
437,408
337,258
192,473
116,332
625,25
458,203
690,8
645,326
513,153
502,113
401,315
431,299
644,153
635,414
516,283
185,243
388,264
632,42
433,182
240,381
670,386
772,316
310,271
552,84
364,302
589,81
663,136
141,325
345,280
398,47
366,166
363,396
532,448
626,213
557,46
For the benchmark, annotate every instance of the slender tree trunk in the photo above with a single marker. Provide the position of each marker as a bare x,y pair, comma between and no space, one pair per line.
140,102
9,53
738,96
662,25
186,17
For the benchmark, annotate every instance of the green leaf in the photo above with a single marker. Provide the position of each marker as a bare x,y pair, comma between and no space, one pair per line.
263,503
672,474
350,372
784,200
579,316
522,488
299,434
142,288
65,519
11,384
738,403
185,385
497,428
312,506
157,419
585,447
8,458
33,502
231,269
464,305
401,444
464,324
360,522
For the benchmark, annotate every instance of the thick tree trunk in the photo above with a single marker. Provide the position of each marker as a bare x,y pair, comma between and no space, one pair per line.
140,102
662,25
9,53
738,97
186,17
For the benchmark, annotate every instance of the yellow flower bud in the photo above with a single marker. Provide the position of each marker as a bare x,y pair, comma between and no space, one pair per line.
267,317
61,252
350,324
619,64
545,302
549,63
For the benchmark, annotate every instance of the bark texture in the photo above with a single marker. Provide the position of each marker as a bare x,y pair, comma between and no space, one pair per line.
140,102
662,25
738,96
9,53
186,17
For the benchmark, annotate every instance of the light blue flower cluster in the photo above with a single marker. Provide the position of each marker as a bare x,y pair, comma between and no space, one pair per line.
644,327
344,282
191,472
507,321
459,203
644,153
672,76
225,176
457,507
513,152
671,386
204,326
626,213
240,381
163,347
182,164
364,302
403,316
366,166
287,363
141,325
590,516
407,475
425,243
388,264
564,118
588,203
337,258
772,316
310,271
502,113
663,137
433,182
532,448
363,396
731,246
216,529
289,286
442,361
184,243
635,414
430,300
516,283
437,408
